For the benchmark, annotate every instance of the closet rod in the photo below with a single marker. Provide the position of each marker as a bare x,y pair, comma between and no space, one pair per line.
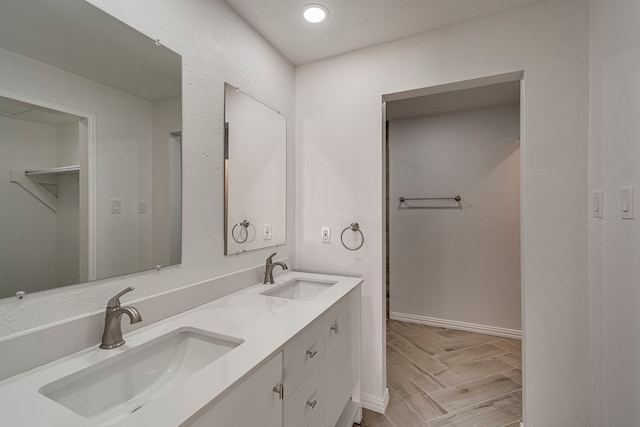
456,198
57,171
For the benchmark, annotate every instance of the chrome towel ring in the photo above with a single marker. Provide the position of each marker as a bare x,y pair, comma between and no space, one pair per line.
355,227
245,226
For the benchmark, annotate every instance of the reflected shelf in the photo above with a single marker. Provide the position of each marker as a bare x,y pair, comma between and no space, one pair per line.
62,170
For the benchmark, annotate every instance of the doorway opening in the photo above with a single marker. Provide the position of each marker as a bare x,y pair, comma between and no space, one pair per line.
453,251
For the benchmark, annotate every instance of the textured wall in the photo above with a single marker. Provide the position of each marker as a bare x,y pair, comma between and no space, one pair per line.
216,46
339,162
614,244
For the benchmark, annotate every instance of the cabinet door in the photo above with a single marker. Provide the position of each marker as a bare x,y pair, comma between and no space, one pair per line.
339,378
251,403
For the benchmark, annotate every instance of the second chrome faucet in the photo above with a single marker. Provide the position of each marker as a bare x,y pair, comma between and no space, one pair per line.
112,335
268,269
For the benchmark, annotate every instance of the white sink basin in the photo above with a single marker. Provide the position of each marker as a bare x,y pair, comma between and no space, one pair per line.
299,289
111,390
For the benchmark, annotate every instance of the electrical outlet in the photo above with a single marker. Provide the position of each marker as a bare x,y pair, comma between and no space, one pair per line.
116,206
326,234
267,232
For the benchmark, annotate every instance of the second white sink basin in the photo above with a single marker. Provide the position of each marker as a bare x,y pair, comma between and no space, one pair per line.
111,390
299,289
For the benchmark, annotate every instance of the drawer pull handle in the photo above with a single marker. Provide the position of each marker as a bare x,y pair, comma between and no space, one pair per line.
334,328
312,404
280,390
312,353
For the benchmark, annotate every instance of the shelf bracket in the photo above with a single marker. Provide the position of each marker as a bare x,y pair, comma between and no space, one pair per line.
32,186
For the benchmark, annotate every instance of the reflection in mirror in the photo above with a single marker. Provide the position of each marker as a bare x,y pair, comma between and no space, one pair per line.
44,244
255,173
90,147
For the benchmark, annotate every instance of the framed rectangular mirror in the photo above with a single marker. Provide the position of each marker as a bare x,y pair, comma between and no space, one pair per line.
255,173
90,147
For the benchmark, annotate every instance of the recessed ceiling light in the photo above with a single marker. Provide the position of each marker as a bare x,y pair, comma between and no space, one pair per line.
315,13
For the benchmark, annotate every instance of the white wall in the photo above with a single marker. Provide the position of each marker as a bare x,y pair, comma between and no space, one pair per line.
460,264
216,46
339,164
28,227
614,243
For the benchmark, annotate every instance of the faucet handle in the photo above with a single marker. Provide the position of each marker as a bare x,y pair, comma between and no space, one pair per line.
270,259
115,301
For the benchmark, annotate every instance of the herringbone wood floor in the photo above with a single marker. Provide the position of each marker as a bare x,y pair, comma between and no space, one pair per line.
446,378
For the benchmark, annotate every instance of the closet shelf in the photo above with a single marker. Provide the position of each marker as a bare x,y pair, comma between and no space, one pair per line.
62,170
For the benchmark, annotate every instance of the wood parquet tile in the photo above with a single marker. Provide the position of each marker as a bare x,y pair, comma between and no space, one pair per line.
441,377
512,359
474,392
471,371
468,355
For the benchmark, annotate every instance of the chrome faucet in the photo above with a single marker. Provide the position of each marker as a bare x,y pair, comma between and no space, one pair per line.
112,335
268,269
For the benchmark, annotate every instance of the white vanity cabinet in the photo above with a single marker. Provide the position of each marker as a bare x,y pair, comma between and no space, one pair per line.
318,388
253,402
316,370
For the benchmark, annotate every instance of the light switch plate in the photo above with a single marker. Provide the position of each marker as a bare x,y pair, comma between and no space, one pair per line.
626,203
267,232
142,207
326,234
597,204
116,206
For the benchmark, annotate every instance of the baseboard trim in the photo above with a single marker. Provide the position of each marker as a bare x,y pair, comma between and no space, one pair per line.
461,326
375,403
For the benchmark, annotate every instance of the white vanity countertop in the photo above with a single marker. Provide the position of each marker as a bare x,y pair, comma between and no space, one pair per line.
264,323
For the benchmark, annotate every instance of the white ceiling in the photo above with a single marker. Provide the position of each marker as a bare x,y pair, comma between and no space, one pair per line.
354,24
488,96
80,38
34,113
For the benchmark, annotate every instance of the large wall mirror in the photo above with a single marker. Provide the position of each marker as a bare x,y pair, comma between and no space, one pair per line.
90,147
255,173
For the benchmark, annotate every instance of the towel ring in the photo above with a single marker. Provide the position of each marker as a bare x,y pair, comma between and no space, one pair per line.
355,227
245,225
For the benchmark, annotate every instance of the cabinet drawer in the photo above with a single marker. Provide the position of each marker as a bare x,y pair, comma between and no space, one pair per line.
309,401
302,355
338,321
252,402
